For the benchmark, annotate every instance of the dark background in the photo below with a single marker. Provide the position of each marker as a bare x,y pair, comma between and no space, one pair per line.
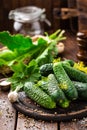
52,12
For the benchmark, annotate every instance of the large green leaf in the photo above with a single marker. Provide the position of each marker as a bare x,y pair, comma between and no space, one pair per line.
16,41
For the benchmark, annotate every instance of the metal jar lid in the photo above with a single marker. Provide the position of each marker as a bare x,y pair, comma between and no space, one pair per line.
26,14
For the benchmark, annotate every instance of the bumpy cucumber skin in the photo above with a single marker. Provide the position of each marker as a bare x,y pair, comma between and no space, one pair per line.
75,74
50,86
56,93
68,62
39,96
46,69
43,84
53,88
64,81
82,90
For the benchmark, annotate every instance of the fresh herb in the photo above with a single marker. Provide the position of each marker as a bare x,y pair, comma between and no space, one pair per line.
24,57
15,42
23,73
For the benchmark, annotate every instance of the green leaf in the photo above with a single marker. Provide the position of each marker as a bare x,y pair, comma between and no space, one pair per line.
45,57
42,41
55,34
33,71
22,49
24,73
8,55
2,62
16,41
18,67
16,85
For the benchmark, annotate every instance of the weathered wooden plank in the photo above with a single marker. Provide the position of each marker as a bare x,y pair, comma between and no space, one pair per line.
48,6
68,126
26,123
6,23
71,47
82,17
15,4
7,113
74,125
55,12
82,124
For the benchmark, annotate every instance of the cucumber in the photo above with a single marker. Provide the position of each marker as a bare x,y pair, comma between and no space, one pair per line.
68,62
56,93
82,90
50,86
46,69
39,96
75,74
43,83
64,81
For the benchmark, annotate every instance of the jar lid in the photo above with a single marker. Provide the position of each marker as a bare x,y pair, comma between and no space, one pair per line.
26,14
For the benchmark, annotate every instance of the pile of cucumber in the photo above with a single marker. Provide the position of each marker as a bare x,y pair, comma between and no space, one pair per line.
59,85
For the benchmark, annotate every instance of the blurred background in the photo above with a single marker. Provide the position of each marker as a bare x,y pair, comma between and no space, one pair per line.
70,15
58,12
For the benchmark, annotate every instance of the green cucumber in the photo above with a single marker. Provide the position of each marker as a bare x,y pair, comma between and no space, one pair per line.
68,62
82,90
64,81
50,86
56,92
46,69
39,96
75,74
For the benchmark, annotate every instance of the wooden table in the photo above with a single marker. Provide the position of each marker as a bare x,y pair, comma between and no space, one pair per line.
10,119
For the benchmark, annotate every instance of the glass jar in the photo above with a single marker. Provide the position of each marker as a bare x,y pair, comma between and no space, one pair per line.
28,20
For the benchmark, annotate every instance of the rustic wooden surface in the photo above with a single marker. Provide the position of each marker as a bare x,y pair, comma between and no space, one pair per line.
7,113
26,123
76,110
12,120
82,14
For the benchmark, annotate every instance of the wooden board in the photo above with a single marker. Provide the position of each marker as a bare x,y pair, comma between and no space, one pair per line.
76,110
7,113
82,17
27,123
74,125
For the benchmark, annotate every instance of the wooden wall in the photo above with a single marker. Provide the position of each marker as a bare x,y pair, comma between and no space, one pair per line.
52,12
7,5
